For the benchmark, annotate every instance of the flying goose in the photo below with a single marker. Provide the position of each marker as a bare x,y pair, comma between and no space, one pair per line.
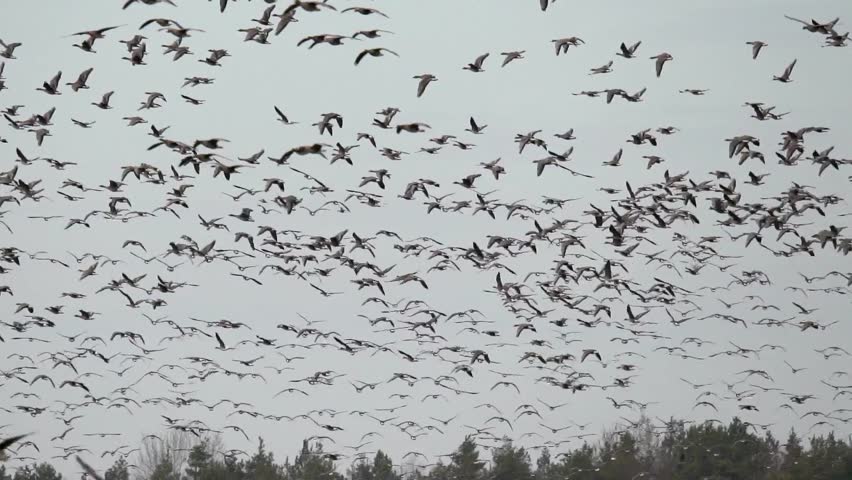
103,104
8,49
563,44
628,52
51,87
510,56
364,11
375,33
80,83
661,60
756,46
373,52
474,128
607,68
425,80
476,66
785,77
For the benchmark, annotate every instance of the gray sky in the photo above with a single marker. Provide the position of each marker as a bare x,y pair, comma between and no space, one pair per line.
707,41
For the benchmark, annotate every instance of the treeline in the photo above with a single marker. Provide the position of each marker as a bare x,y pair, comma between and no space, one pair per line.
738,451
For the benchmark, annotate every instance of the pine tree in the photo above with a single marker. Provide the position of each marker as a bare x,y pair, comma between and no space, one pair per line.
197,462
262,465
382,468
543,466
313,464
361,470
465,462
510,463
41,471
164,470
118,471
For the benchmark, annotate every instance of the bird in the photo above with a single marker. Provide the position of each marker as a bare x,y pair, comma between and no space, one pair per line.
103,104
563,44
475,128
453,301
51,87
756,47
80,83
511,56
785,76
373,52
364,11
587,352
661,60
425,80
9,441
628,52
477,65
8,49
283,118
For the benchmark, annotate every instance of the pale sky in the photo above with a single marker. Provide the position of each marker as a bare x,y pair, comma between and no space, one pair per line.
707,41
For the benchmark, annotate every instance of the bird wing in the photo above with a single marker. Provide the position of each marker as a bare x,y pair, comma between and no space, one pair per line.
89,470
421,86
789,69
796,20
361,56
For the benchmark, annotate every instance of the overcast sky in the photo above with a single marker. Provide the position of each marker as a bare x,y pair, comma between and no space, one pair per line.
707,41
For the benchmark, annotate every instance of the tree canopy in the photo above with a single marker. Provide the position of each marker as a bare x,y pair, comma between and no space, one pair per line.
678,451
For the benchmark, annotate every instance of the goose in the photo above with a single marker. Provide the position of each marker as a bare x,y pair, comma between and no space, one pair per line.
103,104
371,34
191,100
425,80
494,168
756,47
607,68
474,128
661,60
815,27
334,40
325,123
82,124
214,57
364,11
416,127
563,44
51,87
265,17
8,49
244,215
9,441
128,3
97,33
151,101
282,118
590,351
476,66
373,52
628,52
137,55
510,56
785,77
80,83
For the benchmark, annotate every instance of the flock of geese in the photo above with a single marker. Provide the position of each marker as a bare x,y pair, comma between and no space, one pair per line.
586,298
